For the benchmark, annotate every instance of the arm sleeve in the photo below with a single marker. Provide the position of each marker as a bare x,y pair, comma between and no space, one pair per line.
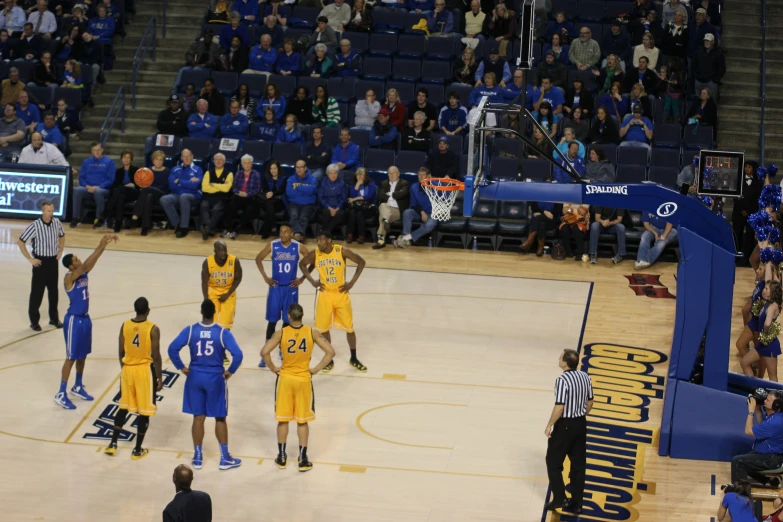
561,391
233,348
479,72
176,345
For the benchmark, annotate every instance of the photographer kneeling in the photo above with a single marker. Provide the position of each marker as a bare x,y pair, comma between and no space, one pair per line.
737,502
766,425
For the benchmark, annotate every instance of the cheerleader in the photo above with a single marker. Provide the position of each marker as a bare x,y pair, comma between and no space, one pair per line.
750,314
767,349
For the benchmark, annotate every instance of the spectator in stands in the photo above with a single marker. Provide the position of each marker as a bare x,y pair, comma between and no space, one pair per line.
546,217
420,209
43,20
708,66
698,31
276,12
584,52
502,27
542,147
465,69
247,103
561,26
396,109
440,21
514,88
149,196
607,219
613,71
560,50
290,133
565,142
78,18
202,54
614,101
324,34
765,423
273,98
393,200
325,108
202,124
317,153
29,46
91,53
332,198
273,29
360,206
488,89
300,193
50,132
636,129
579,125
41,153
72,75
638,96
102,27
554,70
366,111
444,163
124,190
475,24
347,63
672,85
494,64
383,134
641,74
301,106
247,10
189,99
6,45
598,168
712,8
65,50
28,112
688,174
217,13
234,125
361,18
262,57
549,94
648,50
417,138
235,28
453,118
96,176
215,192
172,120
573,226
616,42
244,198
703,111
657,235
649,24
273,187
319,65
12,18
550,122
184,192
216,101
236,57
420,104
578,96
269,127
44,74
346,154
573,159
289,61
338,14
669,8
604,129
420,6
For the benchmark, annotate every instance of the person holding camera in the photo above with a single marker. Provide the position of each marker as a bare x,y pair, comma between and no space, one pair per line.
766,425
737,503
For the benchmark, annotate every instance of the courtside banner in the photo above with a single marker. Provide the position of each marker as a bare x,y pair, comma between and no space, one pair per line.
24,187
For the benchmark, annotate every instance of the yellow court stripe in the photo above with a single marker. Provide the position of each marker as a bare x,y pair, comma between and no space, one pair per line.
363,430
94,405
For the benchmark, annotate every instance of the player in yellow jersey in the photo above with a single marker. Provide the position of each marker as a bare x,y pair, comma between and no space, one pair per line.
141,375
294,398
333,304
221,274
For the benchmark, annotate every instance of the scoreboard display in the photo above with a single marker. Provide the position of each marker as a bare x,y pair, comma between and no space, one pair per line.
24,187
720,173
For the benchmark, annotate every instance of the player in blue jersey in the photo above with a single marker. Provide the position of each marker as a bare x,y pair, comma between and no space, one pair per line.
206,386
283,285
77,327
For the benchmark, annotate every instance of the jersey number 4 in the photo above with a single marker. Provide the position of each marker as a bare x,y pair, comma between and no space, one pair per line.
302,346
208,348
135,342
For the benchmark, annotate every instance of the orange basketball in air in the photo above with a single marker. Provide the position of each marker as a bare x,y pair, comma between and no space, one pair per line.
144,177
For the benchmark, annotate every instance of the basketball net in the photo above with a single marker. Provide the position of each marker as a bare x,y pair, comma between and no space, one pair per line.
442,193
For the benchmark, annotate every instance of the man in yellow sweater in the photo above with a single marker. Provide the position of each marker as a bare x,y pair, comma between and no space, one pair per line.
215,190
474,24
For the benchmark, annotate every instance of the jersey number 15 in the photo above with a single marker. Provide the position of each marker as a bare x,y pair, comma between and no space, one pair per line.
208,348
302,346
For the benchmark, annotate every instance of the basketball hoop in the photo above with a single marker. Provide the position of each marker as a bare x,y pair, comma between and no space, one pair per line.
442,193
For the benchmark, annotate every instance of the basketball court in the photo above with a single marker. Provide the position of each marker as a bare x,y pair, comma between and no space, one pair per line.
447,424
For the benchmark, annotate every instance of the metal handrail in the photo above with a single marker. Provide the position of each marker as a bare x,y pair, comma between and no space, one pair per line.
149,39
164,7
762,140
117,110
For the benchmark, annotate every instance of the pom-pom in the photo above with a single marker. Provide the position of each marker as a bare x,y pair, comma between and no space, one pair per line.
777,257
756,308
770,196
774,235
770,335
762,234
766,255
759,219
761,173
706,200
772,170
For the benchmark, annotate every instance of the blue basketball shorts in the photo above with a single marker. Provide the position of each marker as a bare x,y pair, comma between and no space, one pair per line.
278,301
77,330
205,394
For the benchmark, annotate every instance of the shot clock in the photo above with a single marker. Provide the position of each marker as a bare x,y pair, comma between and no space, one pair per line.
720,173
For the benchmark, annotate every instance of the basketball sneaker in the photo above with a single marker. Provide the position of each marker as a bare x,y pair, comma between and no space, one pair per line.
198,461
262,364
328,368
111,449
356,363
81,392
229,463
140,453
281,460
305,465
63,400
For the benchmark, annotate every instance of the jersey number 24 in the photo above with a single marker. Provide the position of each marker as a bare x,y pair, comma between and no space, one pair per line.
302,345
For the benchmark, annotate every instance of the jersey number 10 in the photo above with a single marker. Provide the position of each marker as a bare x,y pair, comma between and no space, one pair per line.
302,346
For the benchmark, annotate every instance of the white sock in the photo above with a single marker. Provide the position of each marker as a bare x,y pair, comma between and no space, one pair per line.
407,237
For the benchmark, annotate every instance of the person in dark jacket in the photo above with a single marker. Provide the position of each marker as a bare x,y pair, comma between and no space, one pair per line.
616,42
332,198
704,109
641,74
708,66
217,104
188,505
301,106
68,119
235,58
578,96
383,134
272,191
443,163
91,52
554,69
417,138
29,46
44,74
202,53
465,69
743,207
676,36
123,191
173,120
244,198
604,130
317,153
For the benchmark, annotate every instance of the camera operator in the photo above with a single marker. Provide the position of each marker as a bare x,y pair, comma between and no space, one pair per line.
766,425
737,502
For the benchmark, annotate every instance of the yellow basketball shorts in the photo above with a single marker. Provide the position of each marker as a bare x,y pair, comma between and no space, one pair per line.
294,399
137,390
333,309
224,312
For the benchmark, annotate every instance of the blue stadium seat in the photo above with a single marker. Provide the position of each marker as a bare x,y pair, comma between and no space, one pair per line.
377,69
615,9
665,176
442,49
311,83
588,78
44,95
406,90
343,113
484,222
260,150
409,161
304,17
331,136
631,173
351,114
632,156
536,169
225,82
512,221
463,91
507,145
232,156
195,145
591,11
411,46
172,153
255,83
667,135
287,154
698,137
382,19
569,6
378,161
286,84
363,85
595,28
411,19
341,90
361,137
435,71
360,42
406,70
454,227
294,33
669,158
195,76
382,45
503,169
437,97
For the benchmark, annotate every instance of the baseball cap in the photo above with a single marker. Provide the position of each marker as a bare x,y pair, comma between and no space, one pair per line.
384,110
701,10
616,22
637,108
443,139
174,98
710,37
549,52
494,49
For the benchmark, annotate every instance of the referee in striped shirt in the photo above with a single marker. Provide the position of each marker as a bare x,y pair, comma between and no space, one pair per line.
567,433
48,239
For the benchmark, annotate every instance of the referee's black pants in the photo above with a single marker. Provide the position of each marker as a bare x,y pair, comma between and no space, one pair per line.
569,438
45,277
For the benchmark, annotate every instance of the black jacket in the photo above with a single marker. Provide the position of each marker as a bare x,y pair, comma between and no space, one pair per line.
586,101
173,123
317,157
189,506
749,202
32,46
608,135
708,65
302,109
442,165
238,62
90,53
649,80
41,75
402,194
420,142
217,104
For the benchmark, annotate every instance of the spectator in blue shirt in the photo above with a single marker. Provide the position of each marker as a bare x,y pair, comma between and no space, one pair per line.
574,160
347,62
489,89
28,112
247,10
346,153
737,503
96,178
300,196
267,129
332,198
202,124
272,98
103,26
549,93
288,62
185,192
636,130
277,12
262,57
361,205
440,22
290,133
383,134
453,117
512,90
657,235
766,425
234,28
234,125
50,131
274,30
421,6
420,209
